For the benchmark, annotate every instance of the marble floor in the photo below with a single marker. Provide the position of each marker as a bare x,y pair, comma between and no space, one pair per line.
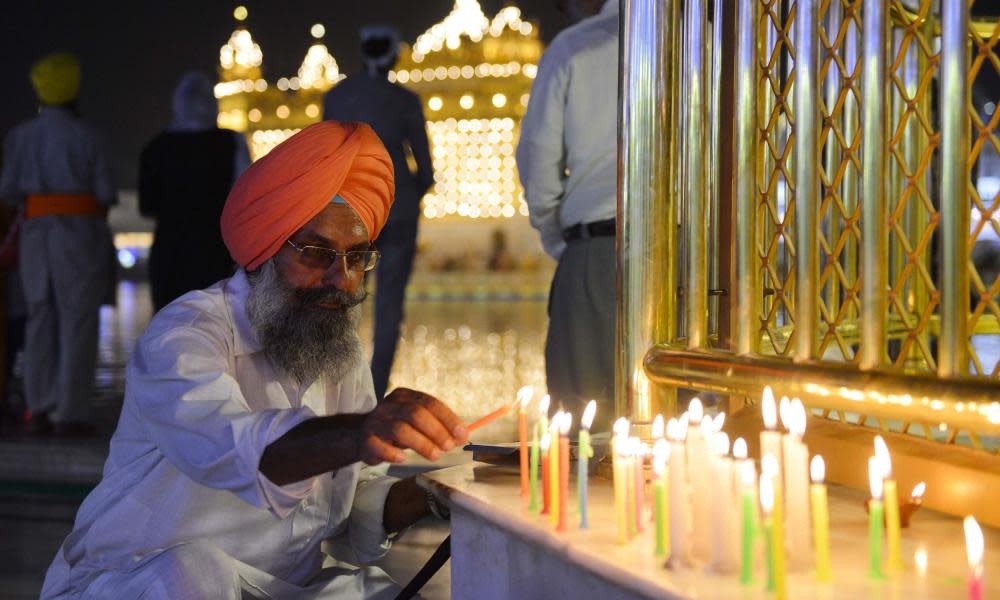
472,351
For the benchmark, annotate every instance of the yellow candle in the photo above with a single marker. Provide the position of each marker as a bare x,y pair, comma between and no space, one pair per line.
618,445
769,466
820,519
554,469
894,562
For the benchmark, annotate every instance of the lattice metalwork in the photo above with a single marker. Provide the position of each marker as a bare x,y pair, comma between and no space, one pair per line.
913,216
840,171
776,192
984,282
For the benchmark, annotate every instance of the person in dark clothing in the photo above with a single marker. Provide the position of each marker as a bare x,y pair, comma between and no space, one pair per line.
184,177
397,117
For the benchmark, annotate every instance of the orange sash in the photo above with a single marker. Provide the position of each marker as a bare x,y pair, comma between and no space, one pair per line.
43,205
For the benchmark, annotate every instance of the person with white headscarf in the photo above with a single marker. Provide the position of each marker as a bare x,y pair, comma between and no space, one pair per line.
185,174
396,115
57,174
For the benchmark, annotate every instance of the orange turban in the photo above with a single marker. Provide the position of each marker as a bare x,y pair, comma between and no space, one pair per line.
289,186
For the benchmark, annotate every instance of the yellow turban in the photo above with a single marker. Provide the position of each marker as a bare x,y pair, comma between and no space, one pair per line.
56,78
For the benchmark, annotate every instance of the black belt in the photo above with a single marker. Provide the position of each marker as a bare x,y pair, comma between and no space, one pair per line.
590,230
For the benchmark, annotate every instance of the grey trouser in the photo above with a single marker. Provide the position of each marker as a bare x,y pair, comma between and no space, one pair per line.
65,271
579,349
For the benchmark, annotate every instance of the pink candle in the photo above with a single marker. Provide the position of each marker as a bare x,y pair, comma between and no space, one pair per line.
974,549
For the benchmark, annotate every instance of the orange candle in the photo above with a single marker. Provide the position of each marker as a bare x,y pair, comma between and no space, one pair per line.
546,441
524,395
567,420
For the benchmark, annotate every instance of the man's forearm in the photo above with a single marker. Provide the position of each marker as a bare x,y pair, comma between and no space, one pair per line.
405,504
313,447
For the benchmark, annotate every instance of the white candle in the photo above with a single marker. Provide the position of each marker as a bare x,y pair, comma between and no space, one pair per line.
770,438
974,550
657,427
680,499
699,473
798,539
725,544
740,459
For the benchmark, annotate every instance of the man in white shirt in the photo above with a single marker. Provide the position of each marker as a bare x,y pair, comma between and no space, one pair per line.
250,433
567,159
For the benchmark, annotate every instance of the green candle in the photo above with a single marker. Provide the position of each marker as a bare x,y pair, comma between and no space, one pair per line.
747,476
875,520
661,453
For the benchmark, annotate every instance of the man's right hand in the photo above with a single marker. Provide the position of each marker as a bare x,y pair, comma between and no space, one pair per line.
409,419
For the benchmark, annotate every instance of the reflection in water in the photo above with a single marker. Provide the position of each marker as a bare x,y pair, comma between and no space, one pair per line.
472,354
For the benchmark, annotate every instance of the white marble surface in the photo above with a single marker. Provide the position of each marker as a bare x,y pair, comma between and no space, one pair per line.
500,549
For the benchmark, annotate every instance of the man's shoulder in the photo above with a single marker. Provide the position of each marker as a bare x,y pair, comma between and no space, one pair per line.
586,34
203,312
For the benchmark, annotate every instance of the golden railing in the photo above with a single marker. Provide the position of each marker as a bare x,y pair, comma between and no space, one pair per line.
840,138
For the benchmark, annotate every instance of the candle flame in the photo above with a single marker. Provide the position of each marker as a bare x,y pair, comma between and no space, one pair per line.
768,409
706,427
875,477
676,431
695,410
918,491
747,474
973,542
634,446
661,454
719,421
766,493
556,419
658,427
565,423
721,442
621,428
769,465
546,441
920,559
882,453
817,469
588,415
740,448
543,405
783,412
797,418
524,395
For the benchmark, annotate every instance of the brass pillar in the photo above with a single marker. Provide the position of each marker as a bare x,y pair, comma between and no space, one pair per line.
807,188
647,172
746,319
695,172
954,271
874,170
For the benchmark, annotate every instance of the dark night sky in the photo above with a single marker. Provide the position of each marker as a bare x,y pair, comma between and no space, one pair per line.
134,52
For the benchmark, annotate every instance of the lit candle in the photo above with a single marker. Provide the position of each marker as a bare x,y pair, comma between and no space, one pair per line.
776,539
554,469
541,429
894,561
974,550
584,452
657,428
770,438
564,425
748,476
679,500
699,471
820,519
723,533
796,493
740,459
618,448
917,495
661,454
546,500
638,452
875,516
524,395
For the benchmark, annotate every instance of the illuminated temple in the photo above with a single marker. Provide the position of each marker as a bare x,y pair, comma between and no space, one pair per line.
473,74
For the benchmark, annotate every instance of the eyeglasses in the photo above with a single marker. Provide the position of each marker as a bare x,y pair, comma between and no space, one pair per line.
317,257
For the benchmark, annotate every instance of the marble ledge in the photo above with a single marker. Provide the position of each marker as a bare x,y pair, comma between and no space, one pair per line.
487,498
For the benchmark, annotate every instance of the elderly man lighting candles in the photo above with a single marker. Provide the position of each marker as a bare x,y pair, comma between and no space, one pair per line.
250,431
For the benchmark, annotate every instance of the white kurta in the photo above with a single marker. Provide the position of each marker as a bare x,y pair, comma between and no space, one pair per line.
202,402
